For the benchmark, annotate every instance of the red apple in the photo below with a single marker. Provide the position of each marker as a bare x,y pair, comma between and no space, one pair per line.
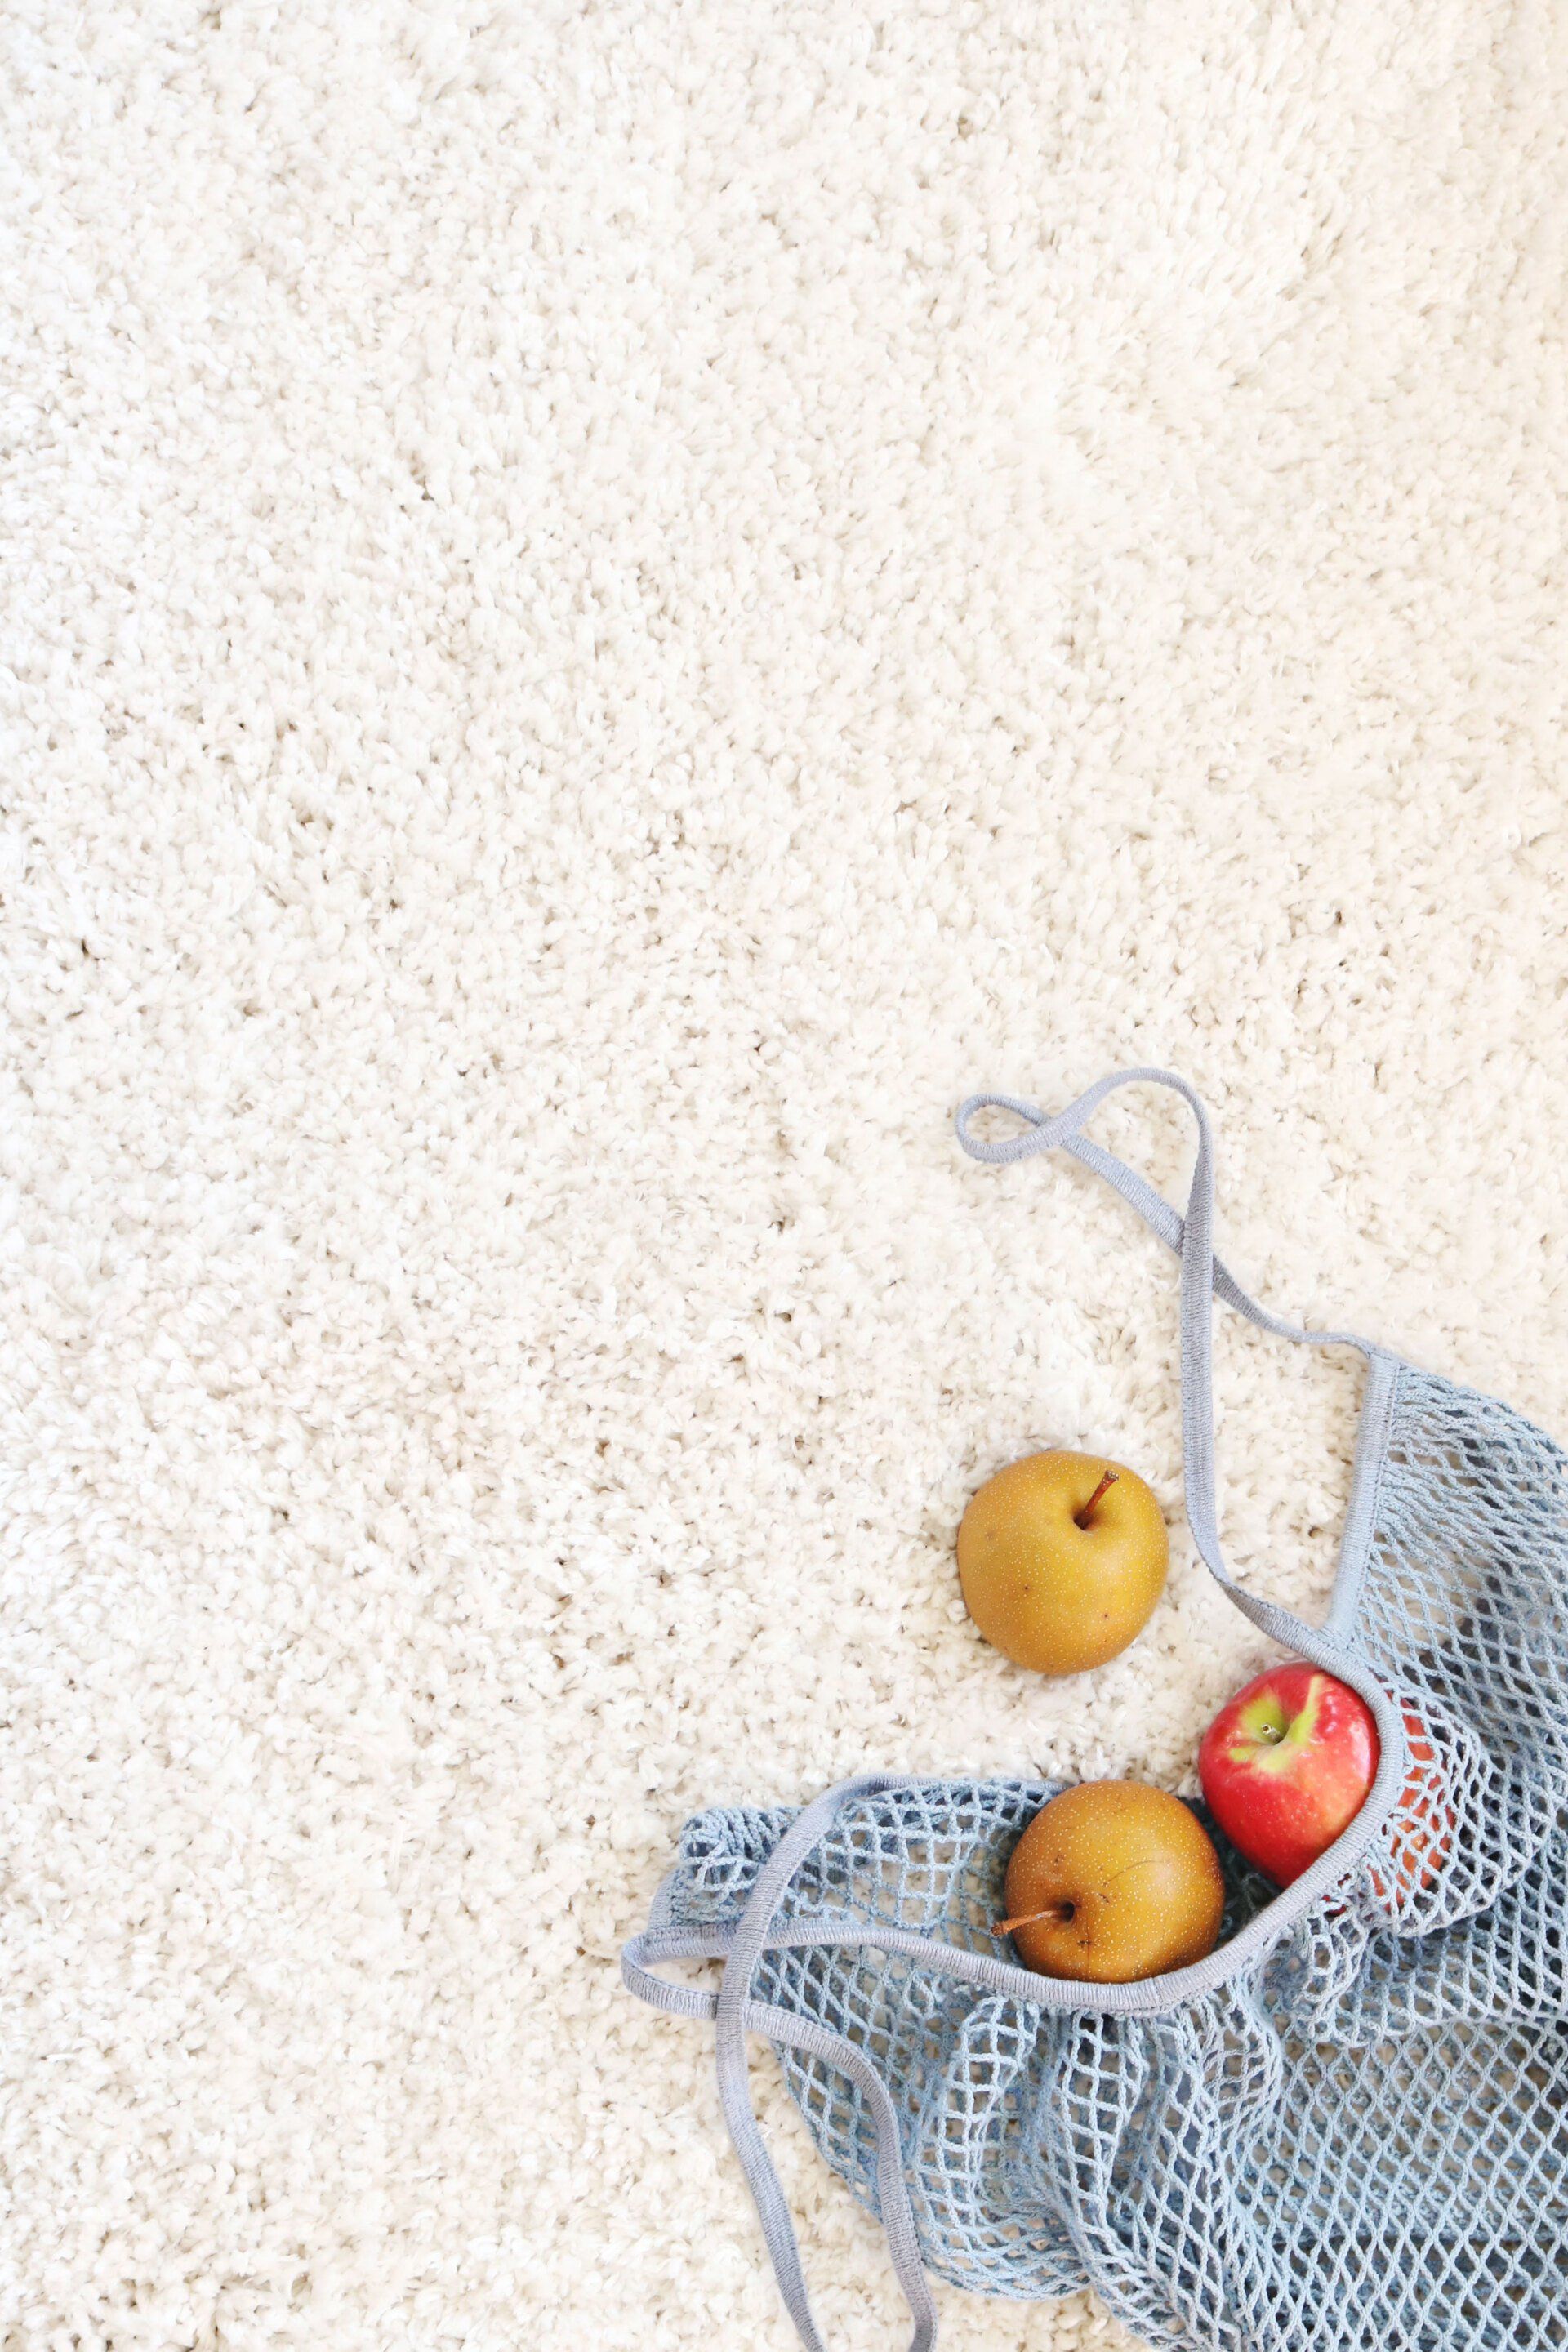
1286,1767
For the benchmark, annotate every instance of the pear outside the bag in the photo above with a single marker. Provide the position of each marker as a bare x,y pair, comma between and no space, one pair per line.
1061,1557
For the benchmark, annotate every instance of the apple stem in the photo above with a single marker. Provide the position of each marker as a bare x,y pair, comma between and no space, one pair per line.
1081,1518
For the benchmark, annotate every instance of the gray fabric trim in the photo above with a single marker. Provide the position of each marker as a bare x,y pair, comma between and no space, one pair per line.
1366,1485
1248,1949
1156,1212
730,2040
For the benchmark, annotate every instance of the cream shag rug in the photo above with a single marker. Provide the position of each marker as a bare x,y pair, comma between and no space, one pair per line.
610,606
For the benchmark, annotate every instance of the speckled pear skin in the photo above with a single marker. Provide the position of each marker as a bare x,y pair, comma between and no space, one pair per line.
1048,1593
1128,1878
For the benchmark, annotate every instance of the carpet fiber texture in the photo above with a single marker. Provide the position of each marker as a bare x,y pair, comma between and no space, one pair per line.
608,607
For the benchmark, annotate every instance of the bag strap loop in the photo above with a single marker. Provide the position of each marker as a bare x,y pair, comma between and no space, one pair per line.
730,2044
1045,1133
1202,1275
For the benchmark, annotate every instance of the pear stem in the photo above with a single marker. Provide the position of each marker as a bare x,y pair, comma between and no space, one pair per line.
1081,1518
1062,1911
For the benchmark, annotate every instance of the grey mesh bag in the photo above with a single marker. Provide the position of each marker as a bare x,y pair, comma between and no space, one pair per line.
1348,2127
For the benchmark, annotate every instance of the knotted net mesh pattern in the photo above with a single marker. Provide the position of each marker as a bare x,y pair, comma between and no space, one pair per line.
1359,2141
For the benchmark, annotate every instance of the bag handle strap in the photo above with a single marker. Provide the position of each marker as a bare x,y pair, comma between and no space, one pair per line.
1203,1276
734,2093
1046,1133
